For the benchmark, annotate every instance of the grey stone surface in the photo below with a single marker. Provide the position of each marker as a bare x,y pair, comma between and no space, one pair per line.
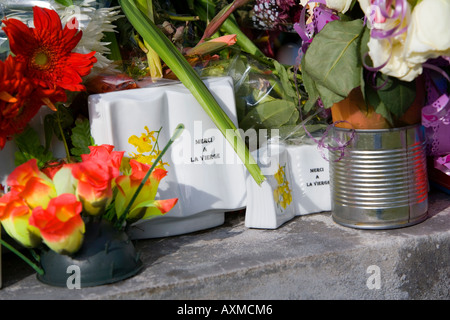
309,257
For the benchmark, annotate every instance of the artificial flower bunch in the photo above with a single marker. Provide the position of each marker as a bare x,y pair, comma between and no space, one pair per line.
51,205
380,49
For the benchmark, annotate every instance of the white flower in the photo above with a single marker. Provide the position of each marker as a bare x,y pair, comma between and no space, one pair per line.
94,22
382,51
428,34
389,51
375,19
426,37
339,5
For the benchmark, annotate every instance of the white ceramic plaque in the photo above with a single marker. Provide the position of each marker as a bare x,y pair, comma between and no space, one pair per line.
204,172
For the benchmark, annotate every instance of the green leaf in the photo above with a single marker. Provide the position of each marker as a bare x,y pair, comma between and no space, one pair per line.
271,114
372,99
311,89
62,116
30,147
285,81
333,61
81,138
65,3
396,95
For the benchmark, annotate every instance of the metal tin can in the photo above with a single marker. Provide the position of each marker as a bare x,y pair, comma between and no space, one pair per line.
379,180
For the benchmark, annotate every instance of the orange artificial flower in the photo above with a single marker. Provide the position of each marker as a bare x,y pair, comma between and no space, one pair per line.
22,174
144,206
60,225
14,217
95,176
104,153
53,167
94,185
46,50
35,187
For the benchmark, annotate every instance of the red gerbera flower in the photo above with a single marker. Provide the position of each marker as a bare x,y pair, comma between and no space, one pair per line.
16,106
46,50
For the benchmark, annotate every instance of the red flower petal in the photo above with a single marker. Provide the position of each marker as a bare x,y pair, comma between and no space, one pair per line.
47,48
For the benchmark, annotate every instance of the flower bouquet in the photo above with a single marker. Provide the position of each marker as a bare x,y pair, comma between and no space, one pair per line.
373,55
71,213
368,62
75,214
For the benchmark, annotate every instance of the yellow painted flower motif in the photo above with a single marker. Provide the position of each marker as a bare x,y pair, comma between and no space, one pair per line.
279,176
145,142
147,148
282,194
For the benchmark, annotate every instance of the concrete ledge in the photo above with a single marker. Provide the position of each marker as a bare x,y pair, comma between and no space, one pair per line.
309,257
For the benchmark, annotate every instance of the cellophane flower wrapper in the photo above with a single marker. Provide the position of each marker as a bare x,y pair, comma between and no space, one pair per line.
267,98
436,112
436,121
269,103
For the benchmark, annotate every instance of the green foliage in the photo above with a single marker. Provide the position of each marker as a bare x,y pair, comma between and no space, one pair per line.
392,97
81,138
52,122
332,67
271,114
30,147
65,2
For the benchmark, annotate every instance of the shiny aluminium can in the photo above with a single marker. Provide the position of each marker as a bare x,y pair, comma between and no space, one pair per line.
380,180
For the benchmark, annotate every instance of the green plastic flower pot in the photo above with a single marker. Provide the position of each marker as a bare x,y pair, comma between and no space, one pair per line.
106,256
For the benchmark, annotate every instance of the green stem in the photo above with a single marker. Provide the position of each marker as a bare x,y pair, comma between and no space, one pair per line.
64,141
115,54
230,26
179,129
20,255
66,147
183,18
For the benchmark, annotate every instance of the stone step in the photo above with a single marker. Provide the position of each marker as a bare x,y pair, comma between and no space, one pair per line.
309,257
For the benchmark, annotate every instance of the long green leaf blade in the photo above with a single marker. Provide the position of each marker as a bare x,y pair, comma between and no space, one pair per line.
187,75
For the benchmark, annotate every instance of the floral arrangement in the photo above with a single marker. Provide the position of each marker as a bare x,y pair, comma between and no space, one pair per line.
372,51
50,205
48,202
380,51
